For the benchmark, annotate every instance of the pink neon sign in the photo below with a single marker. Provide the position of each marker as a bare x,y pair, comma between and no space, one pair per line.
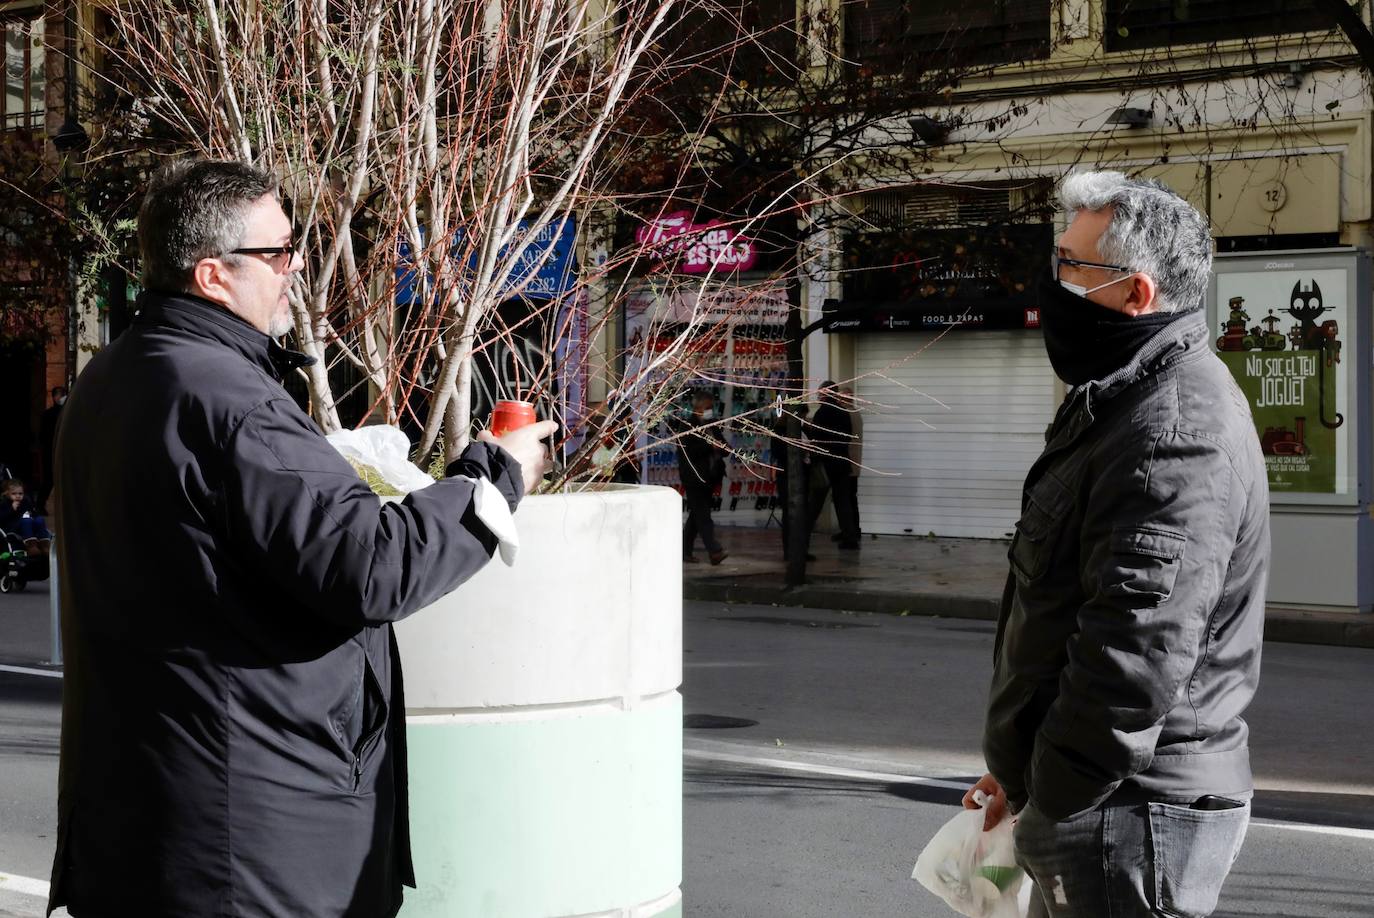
703,246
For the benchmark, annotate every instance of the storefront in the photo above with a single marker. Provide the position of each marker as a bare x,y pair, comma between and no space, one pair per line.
733,330
951,368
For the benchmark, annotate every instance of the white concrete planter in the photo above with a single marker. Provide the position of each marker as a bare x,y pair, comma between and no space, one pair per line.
544,721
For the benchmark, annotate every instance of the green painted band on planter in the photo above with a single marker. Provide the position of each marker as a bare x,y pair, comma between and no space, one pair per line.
571,815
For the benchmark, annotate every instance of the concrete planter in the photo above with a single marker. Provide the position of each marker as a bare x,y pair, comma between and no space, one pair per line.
544,721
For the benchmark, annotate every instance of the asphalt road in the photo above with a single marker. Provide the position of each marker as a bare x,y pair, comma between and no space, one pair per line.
866,727
813,813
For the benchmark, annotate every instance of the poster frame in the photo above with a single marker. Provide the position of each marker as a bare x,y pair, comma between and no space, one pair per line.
1356,358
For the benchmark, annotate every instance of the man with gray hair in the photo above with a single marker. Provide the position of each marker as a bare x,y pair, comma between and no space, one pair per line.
1131,624
233,730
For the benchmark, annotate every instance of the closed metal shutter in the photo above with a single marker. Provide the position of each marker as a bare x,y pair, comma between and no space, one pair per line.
955,428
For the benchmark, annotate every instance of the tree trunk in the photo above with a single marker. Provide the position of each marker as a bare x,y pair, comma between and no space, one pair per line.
798,519
1352,24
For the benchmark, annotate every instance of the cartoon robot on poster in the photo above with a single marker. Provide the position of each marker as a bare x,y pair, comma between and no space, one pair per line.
1235,337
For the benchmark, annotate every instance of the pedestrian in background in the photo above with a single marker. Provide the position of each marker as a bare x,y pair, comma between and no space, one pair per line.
19,516
233,729
834,434
1131,625
701,468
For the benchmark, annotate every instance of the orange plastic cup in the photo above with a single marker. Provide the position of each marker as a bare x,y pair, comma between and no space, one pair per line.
510,415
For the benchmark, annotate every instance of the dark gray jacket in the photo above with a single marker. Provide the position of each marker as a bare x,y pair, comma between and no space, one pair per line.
232,722
1130,634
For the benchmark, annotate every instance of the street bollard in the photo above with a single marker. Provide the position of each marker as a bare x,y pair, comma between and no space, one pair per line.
54,607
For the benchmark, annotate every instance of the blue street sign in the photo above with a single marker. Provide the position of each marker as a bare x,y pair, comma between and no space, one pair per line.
534,281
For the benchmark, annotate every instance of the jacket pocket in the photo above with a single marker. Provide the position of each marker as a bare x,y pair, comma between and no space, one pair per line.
1033,543
374,717
1193,851
1145,561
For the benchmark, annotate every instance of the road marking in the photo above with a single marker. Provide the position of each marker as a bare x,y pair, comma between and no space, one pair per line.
810,768
1316,830
894,778
25,886
29,671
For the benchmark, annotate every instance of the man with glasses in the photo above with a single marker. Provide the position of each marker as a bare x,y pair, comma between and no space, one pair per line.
233,730
1130,631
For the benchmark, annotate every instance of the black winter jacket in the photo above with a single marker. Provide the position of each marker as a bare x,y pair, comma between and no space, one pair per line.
700,460
1131,627
232,723
833,432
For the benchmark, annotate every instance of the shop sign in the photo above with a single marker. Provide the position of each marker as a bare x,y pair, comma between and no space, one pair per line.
701,247
968,278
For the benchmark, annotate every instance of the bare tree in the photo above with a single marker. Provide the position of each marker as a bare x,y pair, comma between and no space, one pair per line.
427,147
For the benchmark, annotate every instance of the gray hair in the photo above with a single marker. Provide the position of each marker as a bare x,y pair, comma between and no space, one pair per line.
195,209
1152,230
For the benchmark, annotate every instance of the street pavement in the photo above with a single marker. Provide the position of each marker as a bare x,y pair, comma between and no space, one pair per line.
868,729
865,729
926,575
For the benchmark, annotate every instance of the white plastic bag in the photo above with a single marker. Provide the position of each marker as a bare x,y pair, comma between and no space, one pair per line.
973,871
384,449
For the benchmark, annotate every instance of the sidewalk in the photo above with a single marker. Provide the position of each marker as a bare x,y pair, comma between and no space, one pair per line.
25,629
898,575
913,575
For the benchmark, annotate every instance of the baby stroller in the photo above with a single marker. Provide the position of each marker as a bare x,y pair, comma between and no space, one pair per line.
17,567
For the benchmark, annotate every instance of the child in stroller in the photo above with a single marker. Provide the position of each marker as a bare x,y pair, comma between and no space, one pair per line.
24,550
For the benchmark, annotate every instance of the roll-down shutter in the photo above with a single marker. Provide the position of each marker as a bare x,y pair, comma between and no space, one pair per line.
950,432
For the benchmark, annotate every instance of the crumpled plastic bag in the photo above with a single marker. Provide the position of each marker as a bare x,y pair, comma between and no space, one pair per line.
973,871
384,450
381,455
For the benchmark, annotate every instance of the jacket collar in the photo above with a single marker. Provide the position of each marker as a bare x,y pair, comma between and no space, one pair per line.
1183,338
199,316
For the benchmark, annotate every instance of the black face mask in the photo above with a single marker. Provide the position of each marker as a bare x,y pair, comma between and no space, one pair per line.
1086,341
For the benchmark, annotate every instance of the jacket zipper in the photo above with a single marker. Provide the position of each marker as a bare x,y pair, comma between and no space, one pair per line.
362,752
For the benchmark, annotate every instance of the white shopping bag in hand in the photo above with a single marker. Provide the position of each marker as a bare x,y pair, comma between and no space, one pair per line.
381,456
973,871
383,451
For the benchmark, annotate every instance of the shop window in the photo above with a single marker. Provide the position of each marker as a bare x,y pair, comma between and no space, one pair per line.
21,104
750,41
1134,24
894,36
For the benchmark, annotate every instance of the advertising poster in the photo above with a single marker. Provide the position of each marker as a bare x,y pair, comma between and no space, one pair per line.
739,353
1281,333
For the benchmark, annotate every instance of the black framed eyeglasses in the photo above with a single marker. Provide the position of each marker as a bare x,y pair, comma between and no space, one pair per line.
1057,260
289,250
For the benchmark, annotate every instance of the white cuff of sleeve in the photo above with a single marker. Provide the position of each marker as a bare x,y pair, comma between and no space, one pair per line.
495,514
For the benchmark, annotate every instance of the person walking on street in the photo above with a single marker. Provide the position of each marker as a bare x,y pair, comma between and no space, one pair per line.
834,437
233,730
701,468
1131,625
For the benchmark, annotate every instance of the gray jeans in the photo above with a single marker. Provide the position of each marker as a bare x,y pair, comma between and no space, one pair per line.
1129,860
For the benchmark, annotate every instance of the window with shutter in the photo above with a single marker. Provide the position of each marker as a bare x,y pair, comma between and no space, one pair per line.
21,104
893,36
1134,24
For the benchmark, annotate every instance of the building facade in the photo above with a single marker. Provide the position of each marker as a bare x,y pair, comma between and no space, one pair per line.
923,276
